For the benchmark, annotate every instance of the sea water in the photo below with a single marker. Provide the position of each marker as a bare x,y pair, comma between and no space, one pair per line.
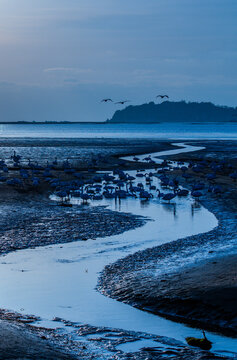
179,131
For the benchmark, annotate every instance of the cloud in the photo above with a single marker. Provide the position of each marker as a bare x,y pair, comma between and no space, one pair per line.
67,70
70,81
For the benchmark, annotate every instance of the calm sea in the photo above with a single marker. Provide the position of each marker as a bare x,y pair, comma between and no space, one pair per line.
177,131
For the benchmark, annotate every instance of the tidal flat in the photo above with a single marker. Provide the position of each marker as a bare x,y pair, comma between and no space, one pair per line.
30,219
202,290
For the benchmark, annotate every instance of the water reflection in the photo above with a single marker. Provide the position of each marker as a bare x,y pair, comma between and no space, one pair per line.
195,206
171,208
144,204
117,204
228,130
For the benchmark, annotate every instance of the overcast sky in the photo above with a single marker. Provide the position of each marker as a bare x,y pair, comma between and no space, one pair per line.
59,58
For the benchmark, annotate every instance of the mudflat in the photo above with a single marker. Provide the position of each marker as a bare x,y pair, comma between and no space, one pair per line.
204,293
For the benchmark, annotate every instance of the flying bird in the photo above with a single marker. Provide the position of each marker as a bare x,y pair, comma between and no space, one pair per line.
106,100
163,96
122,102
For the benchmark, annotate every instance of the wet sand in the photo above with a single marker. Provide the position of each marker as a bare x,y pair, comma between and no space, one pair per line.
81,152
38,221
21,341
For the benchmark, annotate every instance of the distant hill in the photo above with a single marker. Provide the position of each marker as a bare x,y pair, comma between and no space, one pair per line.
169,111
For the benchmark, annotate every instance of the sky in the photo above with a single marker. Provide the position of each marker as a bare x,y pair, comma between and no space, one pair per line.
59,58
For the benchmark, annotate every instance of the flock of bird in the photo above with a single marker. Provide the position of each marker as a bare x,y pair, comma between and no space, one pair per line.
121,185
118,184
122,102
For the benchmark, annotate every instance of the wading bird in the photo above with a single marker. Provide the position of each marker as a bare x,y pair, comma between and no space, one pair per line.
203,344
168,196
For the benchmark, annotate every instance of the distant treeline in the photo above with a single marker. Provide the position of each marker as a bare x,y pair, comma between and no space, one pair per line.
169,111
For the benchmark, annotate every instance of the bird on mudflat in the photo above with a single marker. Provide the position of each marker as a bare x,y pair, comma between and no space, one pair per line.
122,102
203,343
168,196
106,100
163,96
196,194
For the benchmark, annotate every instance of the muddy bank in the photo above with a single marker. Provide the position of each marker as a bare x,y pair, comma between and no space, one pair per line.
99,154
214,150
30,220
19,340
192,280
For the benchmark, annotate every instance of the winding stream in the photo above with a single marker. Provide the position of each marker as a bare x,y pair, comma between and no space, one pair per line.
60,280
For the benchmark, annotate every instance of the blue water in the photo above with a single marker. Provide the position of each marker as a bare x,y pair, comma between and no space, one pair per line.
178,131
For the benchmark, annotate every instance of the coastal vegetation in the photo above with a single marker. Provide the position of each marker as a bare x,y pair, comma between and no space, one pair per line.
169,111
